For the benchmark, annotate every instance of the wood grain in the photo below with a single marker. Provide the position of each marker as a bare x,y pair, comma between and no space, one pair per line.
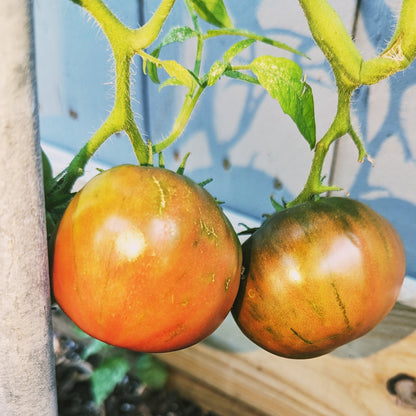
350,381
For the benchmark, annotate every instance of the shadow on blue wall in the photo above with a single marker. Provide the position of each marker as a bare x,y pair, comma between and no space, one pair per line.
401,213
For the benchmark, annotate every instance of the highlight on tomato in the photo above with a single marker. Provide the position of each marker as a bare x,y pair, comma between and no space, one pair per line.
145,259
317,276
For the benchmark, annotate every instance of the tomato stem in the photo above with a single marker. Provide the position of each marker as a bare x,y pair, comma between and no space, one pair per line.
340,126
351,72
124,43
182,119
200,40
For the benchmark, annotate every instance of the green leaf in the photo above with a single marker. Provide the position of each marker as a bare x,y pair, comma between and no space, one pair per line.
238,47
105,378
170,82
94,347
278,207
213,11
241,76
181,168
178,34
175,34
215,72
181,74
282,78
205,182
252,35
152,67
151,371
218,67
46,168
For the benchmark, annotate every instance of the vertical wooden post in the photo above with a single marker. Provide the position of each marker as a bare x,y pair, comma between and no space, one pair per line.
27,377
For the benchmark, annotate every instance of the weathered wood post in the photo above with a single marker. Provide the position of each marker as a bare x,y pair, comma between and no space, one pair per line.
27,378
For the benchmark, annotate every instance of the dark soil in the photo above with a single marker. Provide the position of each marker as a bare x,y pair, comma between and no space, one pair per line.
129,398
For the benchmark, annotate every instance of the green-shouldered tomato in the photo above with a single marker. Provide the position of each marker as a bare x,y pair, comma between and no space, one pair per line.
317,276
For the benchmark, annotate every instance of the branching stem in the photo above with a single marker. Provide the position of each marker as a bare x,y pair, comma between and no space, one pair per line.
340,126
124,43
351,72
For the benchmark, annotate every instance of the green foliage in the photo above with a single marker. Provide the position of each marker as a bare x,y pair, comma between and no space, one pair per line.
95,347
105,378
282,78
115,363
277,207
175,34
219,67
252,35
180,75
151,371
213,11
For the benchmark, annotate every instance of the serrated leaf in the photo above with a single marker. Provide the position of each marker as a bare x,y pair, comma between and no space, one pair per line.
282,78
177,71
105,378
213,11
151,371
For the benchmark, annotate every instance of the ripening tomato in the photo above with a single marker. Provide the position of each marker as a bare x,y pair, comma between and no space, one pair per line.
317,276
145,259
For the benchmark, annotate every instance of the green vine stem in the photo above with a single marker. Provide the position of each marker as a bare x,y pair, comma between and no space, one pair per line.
399,53
200,40
340,126
124,42
351,72
181,120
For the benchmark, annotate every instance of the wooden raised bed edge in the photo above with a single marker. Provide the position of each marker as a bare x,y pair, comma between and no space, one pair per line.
350,381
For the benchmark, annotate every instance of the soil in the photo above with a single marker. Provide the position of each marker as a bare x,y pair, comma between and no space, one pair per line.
130,397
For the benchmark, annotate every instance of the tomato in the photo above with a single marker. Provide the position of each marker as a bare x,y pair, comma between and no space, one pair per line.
145,259
317,276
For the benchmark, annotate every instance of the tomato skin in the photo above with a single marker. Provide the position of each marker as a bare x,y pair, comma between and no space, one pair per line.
317,276
146,260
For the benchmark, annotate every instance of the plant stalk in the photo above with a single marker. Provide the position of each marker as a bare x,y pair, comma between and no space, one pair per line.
340,126
181,121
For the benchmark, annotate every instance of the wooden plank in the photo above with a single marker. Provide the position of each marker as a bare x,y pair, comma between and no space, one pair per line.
350,381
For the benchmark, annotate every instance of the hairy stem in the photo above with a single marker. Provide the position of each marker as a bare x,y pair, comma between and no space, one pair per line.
350,72
333,39
399,53
124,43
339,127
181,121
147,34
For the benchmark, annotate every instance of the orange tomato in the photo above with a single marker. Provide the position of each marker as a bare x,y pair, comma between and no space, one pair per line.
145,259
